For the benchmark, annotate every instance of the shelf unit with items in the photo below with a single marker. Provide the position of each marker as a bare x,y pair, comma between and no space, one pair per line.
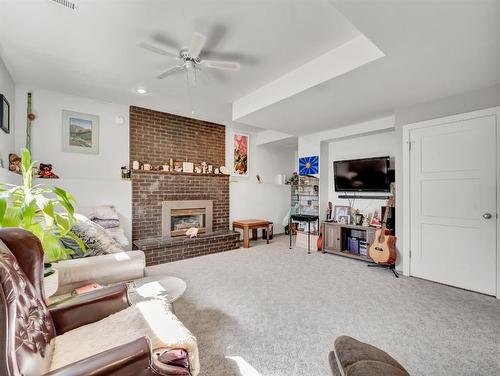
305,196
348,240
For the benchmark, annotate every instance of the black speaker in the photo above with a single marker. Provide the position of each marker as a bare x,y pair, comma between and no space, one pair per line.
391,218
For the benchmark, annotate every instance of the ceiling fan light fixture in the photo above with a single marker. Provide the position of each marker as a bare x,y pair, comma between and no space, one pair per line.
141,91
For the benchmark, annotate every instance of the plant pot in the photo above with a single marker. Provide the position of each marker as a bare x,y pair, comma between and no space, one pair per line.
51,283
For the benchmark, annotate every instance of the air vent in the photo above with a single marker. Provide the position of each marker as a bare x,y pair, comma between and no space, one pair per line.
66,3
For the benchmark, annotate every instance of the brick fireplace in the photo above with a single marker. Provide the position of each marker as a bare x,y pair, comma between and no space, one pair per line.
155,137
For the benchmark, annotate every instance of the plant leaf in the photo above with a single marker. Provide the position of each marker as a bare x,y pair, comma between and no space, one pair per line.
12,217
52,247
3,206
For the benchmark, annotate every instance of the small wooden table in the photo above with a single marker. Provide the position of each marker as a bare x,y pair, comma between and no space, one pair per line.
251,224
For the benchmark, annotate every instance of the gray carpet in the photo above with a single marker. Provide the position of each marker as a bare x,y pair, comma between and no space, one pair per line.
270,311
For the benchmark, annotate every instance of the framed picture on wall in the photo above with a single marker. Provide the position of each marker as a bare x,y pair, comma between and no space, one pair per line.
308,165
80,132
241,153
4,114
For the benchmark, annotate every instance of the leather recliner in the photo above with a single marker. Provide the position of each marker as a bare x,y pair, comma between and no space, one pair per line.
29,327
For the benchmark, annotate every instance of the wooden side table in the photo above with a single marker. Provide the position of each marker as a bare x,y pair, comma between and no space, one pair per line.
252,224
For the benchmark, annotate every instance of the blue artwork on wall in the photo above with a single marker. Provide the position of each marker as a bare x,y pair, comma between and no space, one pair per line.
308,165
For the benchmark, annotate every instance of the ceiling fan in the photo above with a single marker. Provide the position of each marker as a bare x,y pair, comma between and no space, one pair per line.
189,58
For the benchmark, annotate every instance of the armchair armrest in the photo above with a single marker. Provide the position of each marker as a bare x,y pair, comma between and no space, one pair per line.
89,308
130,359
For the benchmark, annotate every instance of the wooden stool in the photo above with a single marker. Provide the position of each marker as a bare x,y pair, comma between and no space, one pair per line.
251,224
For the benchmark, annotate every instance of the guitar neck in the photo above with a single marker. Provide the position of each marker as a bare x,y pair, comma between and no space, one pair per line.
386,214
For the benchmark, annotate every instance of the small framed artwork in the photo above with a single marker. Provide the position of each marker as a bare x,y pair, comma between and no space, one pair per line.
4,114
308,165
241,154
344,219
341,211
80,132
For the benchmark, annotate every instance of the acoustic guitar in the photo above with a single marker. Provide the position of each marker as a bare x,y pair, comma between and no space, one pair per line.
383,248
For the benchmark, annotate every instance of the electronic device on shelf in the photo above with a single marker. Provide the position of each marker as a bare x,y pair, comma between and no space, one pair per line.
363,175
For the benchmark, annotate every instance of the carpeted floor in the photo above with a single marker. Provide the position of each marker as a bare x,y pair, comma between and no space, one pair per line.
267,310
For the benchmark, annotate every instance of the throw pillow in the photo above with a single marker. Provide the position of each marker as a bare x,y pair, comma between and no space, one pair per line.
99,212
96,239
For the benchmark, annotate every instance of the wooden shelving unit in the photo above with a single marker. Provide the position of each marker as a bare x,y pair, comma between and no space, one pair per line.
335,237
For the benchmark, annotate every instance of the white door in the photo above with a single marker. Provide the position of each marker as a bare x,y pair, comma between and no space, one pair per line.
453,203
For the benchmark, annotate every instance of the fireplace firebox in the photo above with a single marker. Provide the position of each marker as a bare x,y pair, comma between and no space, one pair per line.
180,215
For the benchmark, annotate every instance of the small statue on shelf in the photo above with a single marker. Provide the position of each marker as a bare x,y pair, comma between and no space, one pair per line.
45,172
294,179
14,163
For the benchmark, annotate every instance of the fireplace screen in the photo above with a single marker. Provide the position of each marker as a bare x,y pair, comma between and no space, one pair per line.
183,219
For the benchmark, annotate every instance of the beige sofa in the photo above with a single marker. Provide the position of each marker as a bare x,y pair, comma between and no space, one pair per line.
122,265
104,269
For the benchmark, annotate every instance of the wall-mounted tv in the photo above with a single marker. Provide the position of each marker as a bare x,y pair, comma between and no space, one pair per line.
362,175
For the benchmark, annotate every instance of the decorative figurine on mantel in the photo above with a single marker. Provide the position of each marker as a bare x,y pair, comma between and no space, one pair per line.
204,167
197,169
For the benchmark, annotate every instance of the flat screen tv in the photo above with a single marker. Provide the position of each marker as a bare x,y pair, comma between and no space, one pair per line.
362,175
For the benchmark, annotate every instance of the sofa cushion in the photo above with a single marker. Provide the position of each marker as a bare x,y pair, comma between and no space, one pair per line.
119,236
102,212
149,318
96,239
354,358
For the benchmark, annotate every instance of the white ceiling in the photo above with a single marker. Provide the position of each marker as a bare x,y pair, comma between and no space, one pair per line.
93,51
432,49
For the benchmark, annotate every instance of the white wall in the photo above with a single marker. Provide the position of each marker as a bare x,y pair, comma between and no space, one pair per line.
47,137
7,88
92,179
248,198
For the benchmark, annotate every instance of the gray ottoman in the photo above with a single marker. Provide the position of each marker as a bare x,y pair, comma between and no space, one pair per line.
354,358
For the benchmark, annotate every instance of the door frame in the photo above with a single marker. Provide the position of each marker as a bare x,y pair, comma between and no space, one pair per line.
494,111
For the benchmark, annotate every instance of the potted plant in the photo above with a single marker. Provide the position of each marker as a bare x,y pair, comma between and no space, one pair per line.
43,210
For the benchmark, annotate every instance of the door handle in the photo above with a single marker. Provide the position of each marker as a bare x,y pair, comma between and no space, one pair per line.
487,216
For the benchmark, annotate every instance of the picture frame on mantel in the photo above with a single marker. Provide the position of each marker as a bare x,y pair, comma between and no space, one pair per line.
80,132
4,114
241,154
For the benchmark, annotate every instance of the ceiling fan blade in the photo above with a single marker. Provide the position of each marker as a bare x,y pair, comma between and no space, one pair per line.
161,51
170,71
197,42
224,65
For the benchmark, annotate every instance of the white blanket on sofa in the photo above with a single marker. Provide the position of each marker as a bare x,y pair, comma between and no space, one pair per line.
150,318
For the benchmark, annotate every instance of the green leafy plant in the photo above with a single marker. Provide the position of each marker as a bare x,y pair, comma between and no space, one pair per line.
43,210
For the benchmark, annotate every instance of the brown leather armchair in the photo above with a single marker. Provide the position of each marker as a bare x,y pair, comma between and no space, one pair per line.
29,328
